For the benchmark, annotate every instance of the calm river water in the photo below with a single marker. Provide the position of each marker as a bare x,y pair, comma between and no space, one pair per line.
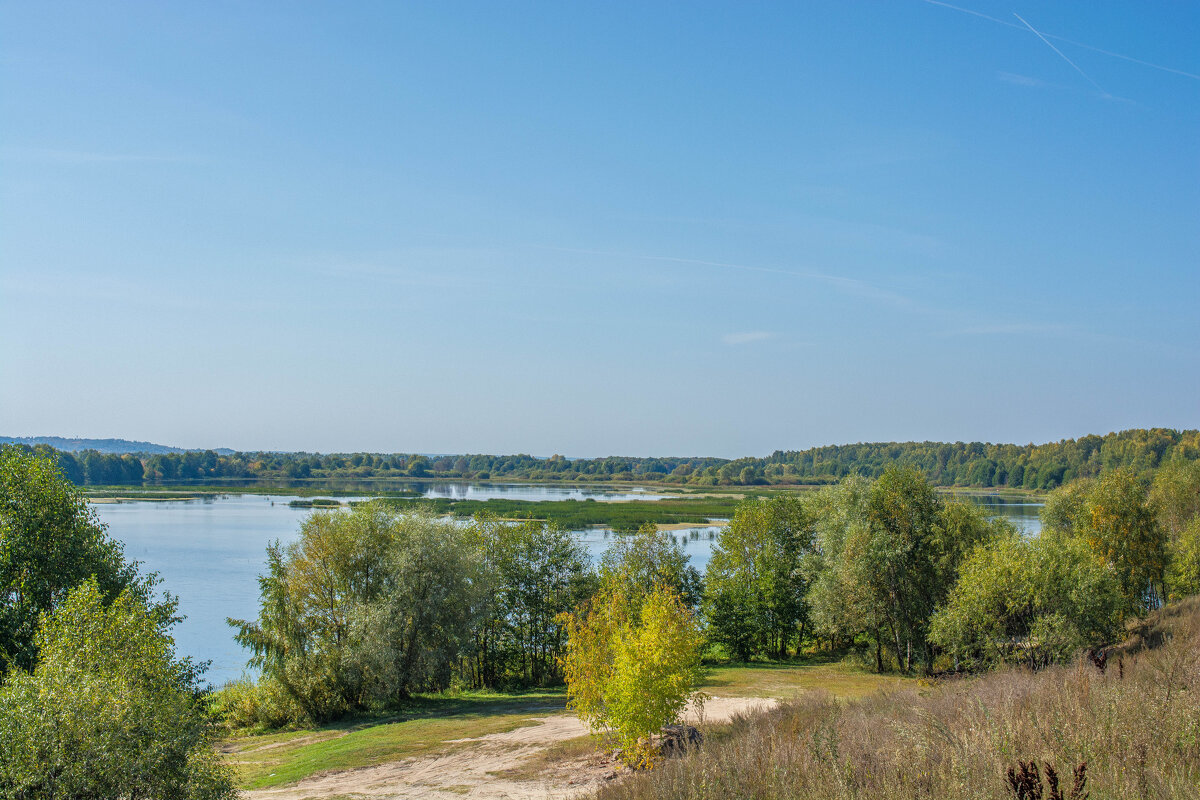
209,552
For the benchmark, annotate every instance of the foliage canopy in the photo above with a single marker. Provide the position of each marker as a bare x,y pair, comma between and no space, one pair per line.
50,542
108,712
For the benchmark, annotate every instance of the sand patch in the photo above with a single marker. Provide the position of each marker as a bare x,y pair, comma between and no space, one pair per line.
471,767
686,526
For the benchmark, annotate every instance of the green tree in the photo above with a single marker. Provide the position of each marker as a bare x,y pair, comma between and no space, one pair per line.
900,558
841,607
531,574
1032,601
641,562
886,554
632,671
50,542
108,711
754,587
311,593
363,609
1114,514
1184,570
1124,531
1175,496
409,638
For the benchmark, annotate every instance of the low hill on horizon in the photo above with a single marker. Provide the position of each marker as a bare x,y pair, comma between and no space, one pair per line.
115,446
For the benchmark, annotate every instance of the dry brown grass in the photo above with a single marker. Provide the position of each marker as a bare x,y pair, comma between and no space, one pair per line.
1136,725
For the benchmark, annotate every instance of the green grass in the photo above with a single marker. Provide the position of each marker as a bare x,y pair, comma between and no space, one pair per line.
316,502
786,680
426,726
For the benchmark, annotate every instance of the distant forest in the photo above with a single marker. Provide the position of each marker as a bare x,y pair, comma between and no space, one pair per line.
947,464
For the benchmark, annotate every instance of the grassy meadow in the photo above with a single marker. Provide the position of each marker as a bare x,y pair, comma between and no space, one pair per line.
429,725
1132,730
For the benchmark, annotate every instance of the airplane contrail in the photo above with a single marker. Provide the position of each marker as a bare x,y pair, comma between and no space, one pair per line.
1060,53
1084,45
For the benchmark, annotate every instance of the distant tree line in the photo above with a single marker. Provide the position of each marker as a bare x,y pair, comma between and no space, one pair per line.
974,464
1030,466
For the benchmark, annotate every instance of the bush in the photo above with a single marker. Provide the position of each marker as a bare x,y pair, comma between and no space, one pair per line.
108,712
631,672
1028,601
249,704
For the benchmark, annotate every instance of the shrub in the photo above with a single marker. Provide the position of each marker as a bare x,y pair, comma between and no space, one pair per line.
1030,601
247,703
108,712
631,672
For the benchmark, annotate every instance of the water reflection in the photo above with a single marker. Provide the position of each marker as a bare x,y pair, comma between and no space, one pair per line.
1022,512
517,491
418,488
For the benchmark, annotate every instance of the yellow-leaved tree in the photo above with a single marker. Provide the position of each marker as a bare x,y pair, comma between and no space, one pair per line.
632,666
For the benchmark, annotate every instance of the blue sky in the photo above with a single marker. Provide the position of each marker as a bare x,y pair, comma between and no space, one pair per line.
591,229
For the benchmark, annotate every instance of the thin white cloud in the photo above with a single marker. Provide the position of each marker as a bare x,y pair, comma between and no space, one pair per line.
851,286
746,337
49,155
1021,80
1011,328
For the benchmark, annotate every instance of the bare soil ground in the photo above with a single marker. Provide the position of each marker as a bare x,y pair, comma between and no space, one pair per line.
489,767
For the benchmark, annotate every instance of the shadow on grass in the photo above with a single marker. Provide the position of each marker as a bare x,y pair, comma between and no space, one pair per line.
421,726
837,673
455,706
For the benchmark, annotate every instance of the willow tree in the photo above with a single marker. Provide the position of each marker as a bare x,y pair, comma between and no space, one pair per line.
364,608
1116,516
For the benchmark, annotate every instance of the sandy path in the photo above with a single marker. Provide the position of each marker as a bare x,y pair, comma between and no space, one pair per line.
469,769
